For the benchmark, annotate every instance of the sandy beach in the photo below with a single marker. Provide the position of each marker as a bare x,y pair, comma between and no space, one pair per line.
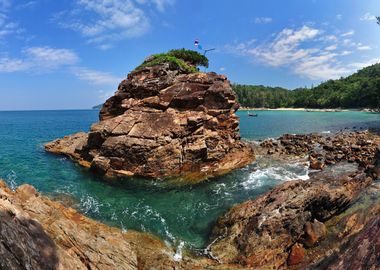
301,109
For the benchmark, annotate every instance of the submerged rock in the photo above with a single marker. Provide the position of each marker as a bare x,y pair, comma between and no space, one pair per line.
163,123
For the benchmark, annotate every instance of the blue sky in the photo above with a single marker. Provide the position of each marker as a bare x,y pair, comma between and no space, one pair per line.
72,54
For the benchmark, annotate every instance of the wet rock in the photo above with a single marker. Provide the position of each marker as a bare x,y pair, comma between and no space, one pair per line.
356,147
260,232
297,254
162,123
316,164
37,233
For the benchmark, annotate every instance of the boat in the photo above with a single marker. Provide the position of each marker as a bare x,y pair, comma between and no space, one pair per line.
252,114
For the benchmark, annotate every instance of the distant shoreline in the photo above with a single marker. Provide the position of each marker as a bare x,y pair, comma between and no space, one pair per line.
305,109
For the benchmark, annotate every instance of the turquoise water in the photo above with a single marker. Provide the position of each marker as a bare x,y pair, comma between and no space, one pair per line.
175,213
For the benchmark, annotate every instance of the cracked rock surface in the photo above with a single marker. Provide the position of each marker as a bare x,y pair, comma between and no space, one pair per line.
162,123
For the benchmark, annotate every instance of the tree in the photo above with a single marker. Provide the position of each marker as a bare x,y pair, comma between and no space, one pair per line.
378,20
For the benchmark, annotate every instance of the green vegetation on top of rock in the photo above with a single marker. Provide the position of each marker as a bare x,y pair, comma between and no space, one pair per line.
189,56
186,60
359,90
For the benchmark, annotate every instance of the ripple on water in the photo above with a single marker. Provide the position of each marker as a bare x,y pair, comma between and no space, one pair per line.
278,171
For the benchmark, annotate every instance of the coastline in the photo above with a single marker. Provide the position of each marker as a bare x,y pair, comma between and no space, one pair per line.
307,109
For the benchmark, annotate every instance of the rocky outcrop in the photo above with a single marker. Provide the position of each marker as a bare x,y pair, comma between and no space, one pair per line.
162,123
322,150
260,232
309,224
37,233
363,252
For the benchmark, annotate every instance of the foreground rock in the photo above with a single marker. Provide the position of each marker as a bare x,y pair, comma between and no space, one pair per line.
162,123
37,233
310,224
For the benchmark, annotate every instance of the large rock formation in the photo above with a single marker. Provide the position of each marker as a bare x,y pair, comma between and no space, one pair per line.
310,224
163,123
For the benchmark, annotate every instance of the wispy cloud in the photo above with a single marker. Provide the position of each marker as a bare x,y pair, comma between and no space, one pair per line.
364,48
307,51
47,57
347,34
368,17
161,4
7,26
9,65
27,5
284,49
39,59
263,20
95,77
339,17
104,22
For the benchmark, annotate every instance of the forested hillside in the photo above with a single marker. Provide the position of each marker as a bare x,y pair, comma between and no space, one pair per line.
359,90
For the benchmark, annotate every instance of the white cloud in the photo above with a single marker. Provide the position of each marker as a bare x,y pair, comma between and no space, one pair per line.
306,51
263,20
47,57
339,17
347,34
222,68
331,47
285,47
346,53
103,22
106,21
368,17
95,77
364,48
7,26
322,66
162,4
8,65
360,65
27,5
39,59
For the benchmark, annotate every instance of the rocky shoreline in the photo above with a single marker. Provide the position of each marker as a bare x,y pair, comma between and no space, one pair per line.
306,224
318,223
165,122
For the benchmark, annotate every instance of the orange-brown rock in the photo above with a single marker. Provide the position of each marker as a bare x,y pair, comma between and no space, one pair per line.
314,232
322,149
37,233
162,123
297,254
260,232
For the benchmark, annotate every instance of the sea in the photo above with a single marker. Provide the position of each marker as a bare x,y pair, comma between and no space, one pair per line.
180,214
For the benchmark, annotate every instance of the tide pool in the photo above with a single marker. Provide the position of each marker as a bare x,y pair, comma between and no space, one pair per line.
176,213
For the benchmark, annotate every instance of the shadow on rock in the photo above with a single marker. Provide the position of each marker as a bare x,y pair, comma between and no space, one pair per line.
24,244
